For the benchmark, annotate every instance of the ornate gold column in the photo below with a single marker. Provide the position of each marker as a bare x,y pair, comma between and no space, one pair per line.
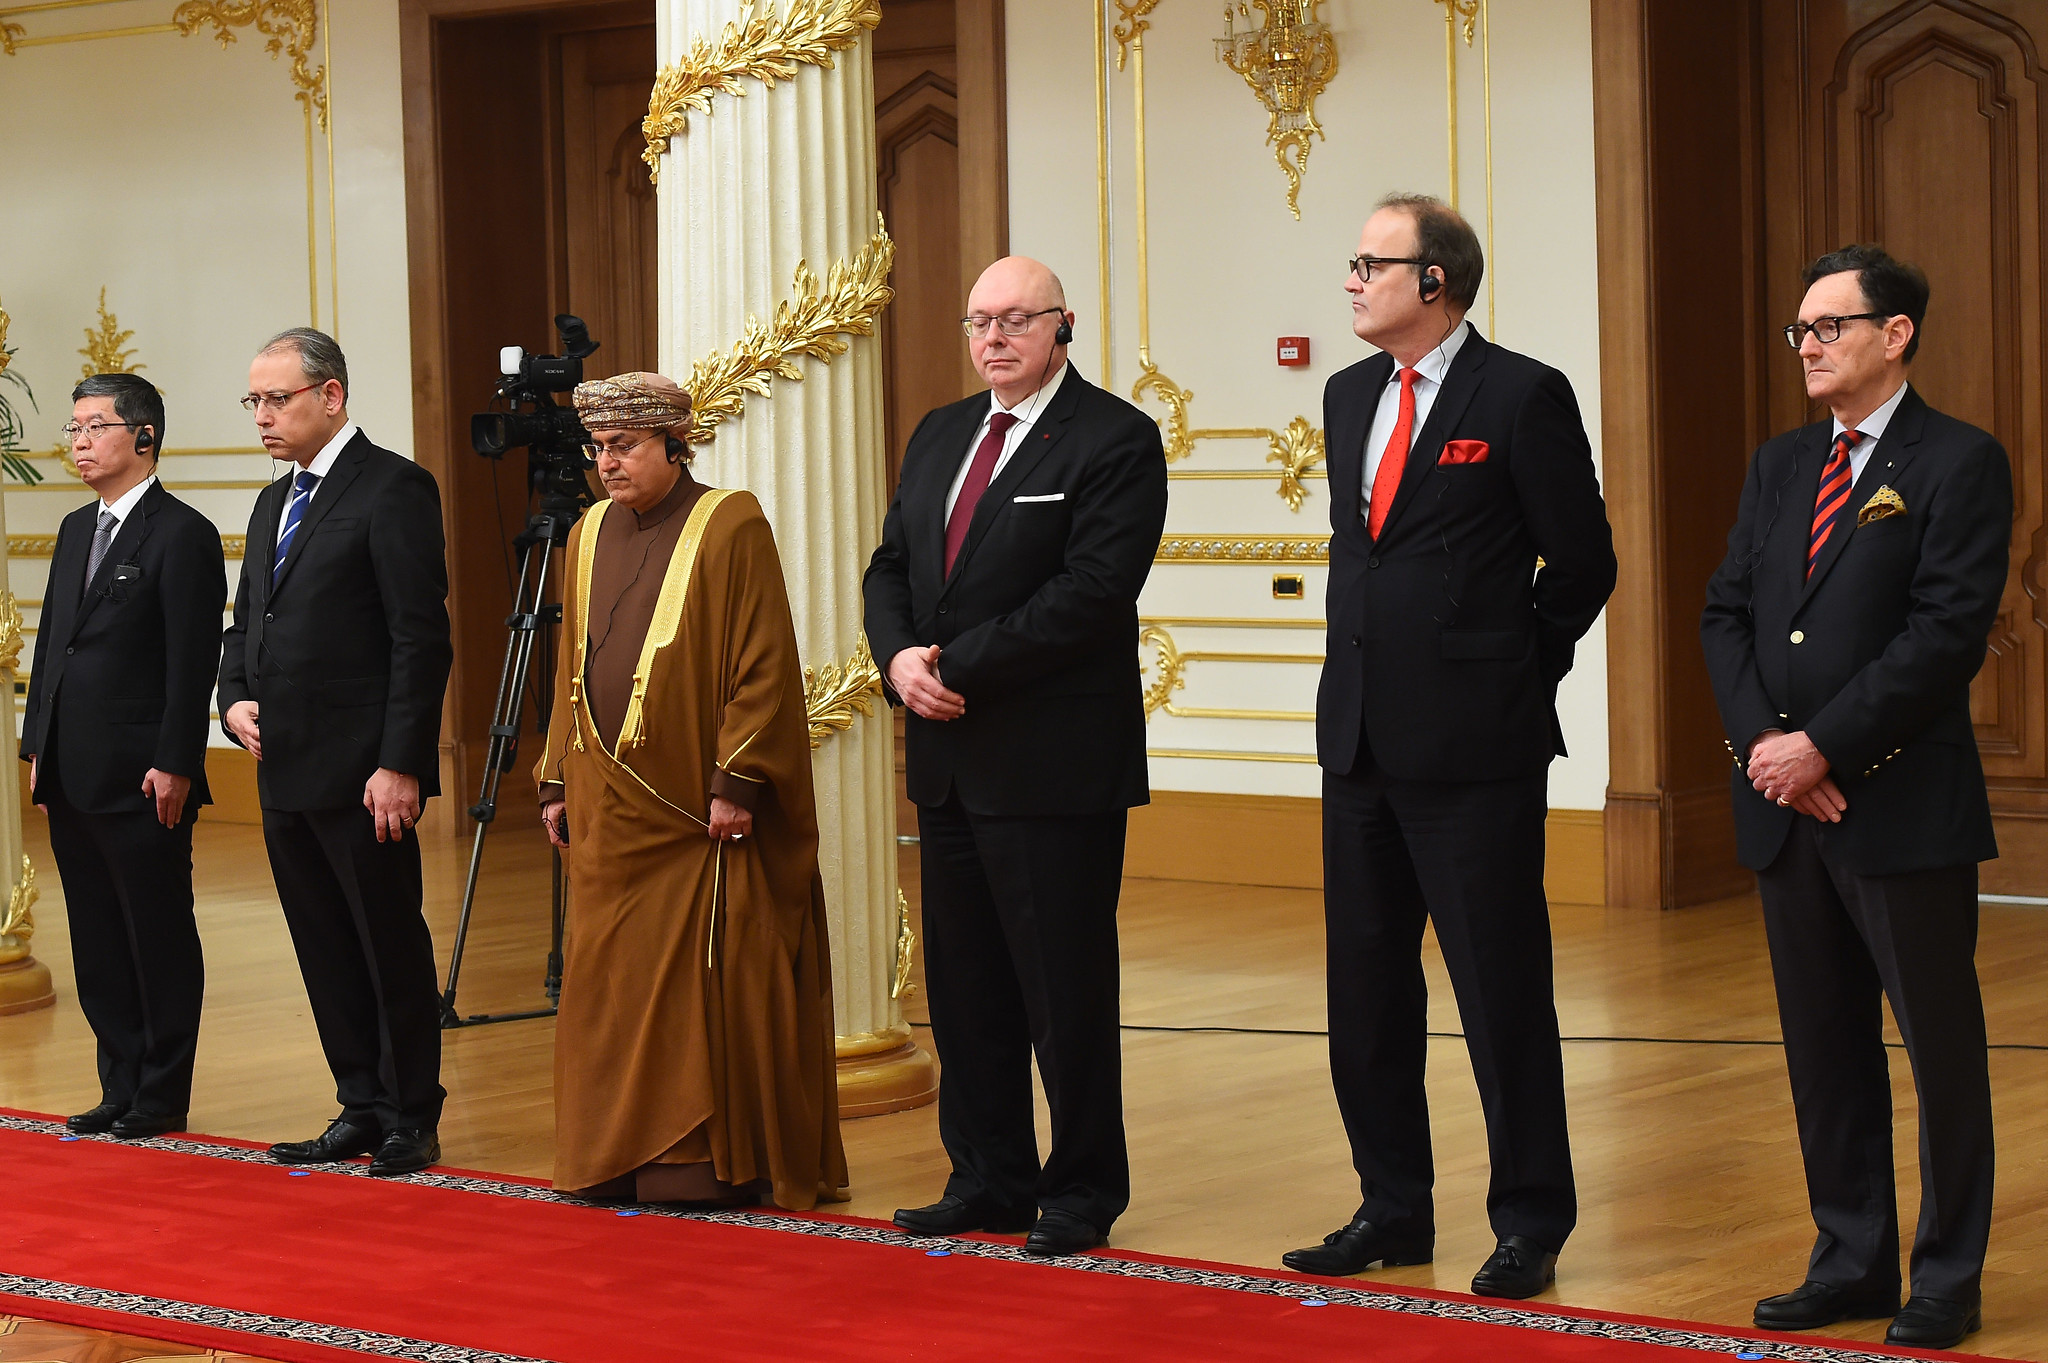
774,266
24,981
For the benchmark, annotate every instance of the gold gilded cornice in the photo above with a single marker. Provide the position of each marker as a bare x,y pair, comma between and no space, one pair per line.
814,323
837,693
765,47
1243,549
291,26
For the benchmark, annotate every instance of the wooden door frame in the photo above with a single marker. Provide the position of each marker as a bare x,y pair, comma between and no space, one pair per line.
984,236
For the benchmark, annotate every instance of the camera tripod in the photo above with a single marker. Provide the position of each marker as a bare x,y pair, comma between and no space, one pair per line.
526,627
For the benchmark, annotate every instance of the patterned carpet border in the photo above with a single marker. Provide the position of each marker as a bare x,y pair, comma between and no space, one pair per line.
392,1346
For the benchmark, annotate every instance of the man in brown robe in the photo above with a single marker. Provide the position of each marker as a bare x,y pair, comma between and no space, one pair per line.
694,1047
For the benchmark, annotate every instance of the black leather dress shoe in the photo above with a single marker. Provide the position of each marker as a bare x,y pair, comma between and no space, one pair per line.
342,1139
1518,1268
1059,1232
134,1126
98,1121
1358,1247
952,1215
1812,1305
1935,1323
405,1150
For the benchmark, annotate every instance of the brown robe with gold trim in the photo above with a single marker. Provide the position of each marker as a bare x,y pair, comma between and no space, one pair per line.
696,1010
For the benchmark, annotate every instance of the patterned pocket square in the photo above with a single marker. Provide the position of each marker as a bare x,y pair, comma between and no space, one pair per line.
1464,452
1883,502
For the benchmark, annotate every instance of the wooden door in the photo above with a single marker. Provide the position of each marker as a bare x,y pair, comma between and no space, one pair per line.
608,261
1920,125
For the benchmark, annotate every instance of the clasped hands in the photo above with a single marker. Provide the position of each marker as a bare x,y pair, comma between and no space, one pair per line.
729,823
914,675
1789,769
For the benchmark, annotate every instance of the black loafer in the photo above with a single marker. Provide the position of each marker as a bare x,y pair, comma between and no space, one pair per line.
405,1150
1059,1232
1358,1247
1518,1268
137,1125
96,1122
1812,1305
342,1139
952,1215
1934,1323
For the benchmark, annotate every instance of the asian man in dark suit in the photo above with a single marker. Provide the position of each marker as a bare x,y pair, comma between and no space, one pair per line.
1470,551
1003,604
332,674
115,734
1863,574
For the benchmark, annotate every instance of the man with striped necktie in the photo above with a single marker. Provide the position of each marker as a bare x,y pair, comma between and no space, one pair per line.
332,676
1841,632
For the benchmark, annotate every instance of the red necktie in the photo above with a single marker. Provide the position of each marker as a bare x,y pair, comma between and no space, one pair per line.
1388,476
978,475
1835,482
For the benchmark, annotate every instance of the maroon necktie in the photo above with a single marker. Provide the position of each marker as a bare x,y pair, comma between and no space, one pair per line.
1835,482
978,475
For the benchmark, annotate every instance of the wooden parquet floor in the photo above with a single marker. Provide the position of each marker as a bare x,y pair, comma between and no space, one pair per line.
1692,1201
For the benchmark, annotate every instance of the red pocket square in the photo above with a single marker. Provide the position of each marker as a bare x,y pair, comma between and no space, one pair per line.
1463,452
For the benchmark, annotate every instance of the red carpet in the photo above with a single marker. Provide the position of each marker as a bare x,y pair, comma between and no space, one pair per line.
206,1242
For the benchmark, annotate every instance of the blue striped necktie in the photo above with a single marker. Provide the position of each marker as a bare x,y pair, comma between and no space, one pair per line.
302,494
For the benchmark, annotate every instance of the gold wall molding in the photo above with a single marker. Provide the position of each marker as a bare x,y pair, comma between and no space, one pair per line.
1243,549
13,629
1130,28
1171,662
289,26
18,924
766,47
106,351
838,693
813,323
1228,622
1229,755
1471,18
906,949
1288,61
43,546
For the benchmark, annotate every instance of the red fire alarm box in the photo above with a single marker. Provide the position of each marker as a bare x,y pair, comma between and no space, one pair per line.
1293,351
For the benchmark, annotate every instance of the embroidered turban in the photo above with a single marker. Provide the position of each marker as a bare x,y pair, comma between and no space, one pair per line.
633,402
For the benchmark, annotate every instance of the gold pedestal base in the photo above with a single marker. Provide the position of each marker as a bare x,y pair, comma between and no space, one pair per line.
25,986
884,1072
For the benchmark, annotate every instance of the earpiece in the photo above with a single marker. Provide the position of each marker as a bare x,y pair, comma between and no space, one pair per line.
1428,285
1064,333
677,449
145,440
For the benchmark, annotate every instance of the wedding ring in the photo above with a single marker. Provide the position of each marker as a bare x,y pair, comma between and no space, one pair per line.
1784,801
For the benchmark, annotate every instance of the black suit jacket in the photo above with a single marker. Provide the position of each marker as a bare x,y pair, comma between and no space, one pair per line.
1446,641
1038,623
125,673
347,654
1873,655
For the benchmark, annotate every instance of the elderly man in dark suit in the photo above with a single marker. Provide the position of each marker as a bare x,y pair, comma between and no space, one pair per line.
1456,468
123,673
1842,631
332,675
1003,602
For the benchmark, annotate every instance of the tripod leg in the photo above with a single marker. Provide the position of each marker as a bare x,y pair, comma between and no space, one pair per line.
524,626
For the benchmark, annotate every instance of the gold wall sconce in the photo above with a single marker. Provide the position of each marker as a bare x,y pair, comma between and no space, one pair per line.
1287,60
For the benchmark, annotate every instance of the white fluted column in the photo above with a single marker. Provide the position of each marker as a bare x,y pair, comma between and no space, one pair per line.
780,175
24,981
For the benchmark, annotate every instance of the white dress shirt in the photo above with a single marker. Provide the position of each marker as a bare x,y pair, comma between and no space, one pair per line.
1026,411
1430,371
322,465
1871,428
125,503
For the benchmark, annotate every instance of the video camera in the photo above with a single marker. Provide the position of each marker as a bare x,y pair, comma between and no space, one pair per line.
553,437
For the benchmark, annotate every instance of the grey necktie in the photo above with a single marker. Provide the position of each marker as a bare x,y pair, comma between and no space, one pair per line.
103,537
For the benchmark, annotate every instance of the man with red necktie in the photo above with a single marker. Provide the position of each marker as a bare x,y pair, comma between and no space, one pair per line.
1842,631
1002,604
1456,468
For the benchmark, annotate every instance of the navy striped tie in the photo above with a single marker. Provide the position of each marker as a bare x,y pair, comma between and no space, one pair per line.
1835,482
302,493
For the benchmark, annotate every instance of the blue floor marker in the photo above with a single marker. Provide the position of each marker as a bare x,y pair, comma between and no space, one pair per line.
628,1211
1748,1355
938,1254
1314,1301
67,1139
298,1173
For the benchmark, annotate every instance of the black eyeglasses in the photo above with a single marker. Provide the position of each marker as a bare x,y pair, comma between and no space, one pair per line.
1828,330
1363,266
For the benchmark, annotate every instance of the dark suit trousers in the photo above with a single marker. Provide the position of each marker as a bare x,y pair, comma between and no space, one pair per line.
1021,958
1468,856
353,906
1840,942
134,945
